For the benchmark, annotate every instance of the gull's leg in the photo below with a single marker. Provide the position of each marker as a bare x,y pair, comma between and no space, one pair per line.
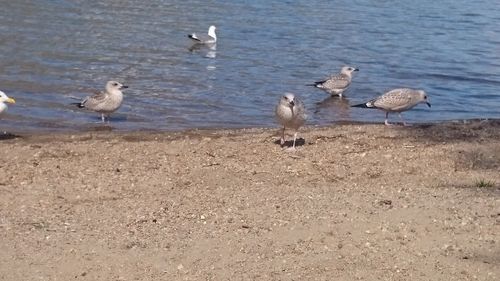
282,140
387,119
103,117
294,139
401,117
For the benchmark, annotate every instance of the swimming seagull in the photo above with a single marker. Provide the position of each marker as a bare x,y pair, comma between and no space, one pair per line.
210,38
105,102
3,99
397,100
335,85
291,113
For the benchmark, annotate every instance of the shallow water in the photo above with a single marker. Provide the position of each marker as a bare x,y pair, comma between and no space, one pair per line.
54,51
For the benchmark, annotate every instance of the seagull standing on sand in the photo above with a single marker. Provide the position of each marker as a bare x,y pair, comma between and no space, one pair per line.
209,38
105,102
335,85
397,100
3,99
291,113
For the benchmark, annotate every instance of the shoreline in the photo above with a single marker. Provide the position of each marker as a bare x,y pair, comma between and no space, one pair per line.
353,202
106,129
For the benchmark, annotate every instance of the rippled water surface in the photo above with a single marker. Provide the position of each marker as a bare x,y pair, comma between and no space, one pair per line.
52,51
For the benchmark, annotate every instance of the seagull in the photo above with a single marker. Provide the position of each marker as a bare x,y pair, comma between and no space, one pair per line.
210,38
291,113
105,102
3,99
397,100
335,85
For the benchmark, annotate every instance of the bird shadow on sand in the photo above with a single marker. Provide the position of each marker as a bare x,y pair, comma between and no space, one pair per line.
470,130
8,136
289,143
100,128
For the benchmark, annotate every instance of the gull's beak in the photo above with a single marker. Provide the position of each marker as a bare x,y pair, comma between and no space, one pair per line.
11,100
292,103
428,104
123,87
356,69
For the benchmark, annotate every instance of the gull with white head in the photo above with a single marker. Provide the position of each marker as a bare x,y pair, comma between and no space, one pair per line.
336,84
105,102
5,99
397,100
210,38
290,113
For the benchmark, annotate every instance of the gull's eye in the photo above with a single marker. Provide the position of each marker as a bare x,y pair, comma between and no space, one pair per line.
115,84
425,97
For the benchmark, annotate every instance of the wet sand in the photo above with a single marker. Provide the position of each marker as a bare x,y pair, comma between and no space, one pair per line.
353,202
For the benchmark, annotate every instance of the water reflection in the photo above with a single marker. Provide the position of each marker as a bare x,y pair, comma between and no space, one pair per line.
206,50
212,51
334,106
51,50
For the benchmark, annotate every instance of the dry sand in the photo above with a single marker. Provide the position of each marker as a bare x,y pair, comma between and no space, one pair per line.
354,202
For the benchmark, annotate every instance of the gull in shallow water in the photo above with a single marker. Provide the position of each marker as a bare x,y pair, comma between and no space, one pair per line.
209,38
291,113
3,99
105,102
336,84
397,100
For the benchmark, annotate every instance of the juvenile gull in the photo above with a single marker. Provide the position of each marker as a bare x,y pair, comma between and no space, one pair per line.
209,38
3,99
105,102
336,84
291,113
397,100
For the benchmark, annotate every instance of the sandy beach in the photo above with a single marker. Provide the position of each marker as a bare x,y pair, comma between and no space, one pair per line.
353,202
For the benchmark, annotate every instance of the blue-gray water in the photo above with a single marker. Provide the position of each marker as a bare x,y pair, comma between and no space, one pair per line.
53,50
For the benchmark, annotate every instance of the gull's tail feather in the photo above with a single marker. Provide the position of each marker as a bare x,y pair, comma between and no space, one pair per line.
362,105
365,105
318,84
194,37
78,104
